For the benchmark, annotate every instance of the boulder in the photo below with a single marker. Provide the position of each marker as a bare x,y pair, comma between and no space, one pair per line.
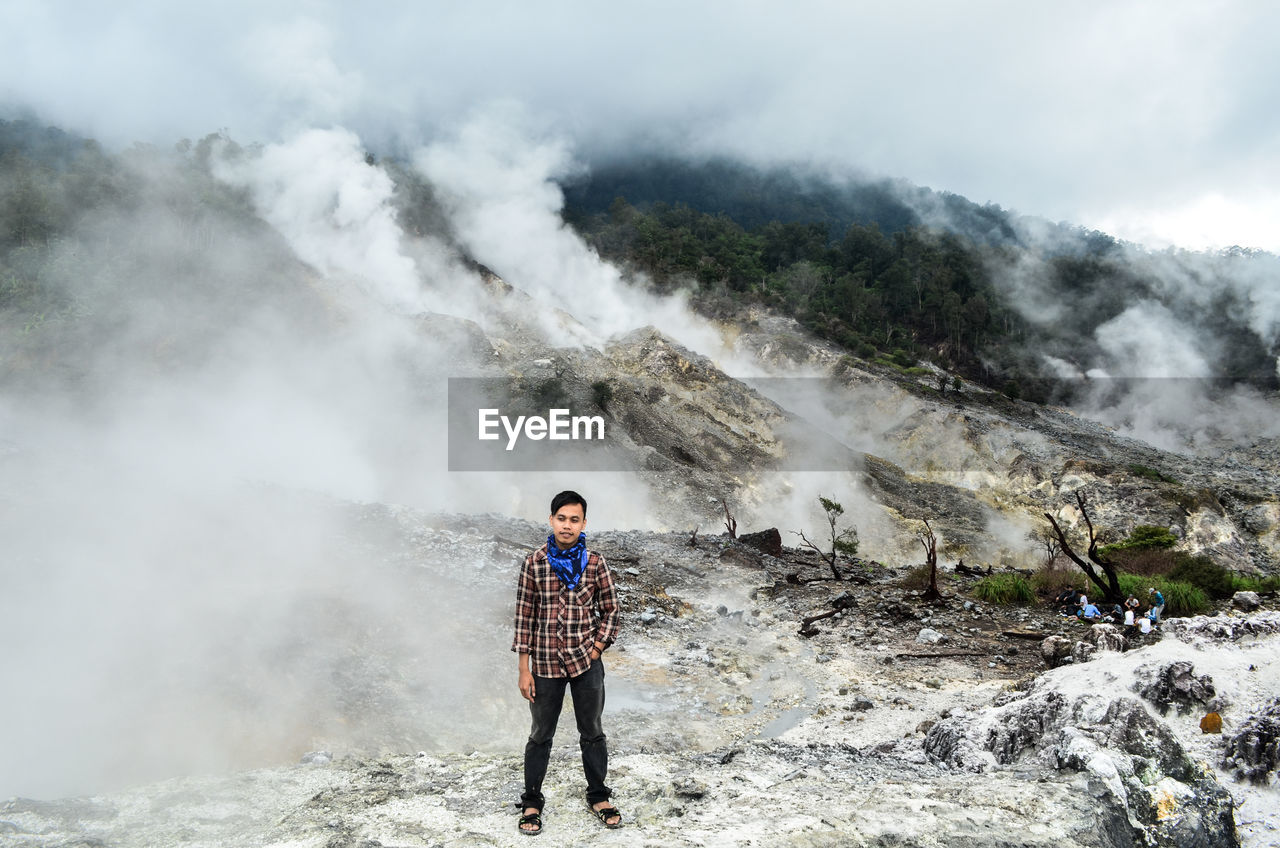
928,636
1147,788
769,541
1247,601
1176,685
1128,727
1055,650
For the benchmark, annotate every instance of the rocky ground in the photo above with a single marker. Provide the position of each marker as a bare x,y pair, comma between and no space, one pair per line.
890,723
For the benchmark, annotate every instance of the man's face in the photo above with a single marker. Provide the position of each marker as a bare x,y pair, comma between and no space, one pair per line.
567,523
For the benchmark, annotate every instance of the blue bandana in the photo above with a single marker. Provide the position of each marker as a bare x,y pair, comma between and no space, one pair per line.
568,565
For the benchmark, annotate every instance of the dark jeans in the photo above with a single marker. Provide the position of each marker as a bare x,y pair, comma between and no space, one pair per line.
588,706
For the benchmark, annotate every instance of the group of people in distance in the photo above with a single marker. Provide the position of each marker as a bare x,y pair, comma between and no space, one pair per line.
1074,602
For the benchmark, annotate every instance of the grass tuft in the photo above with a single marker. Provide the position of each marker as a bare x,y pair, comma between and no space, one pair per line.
1004,589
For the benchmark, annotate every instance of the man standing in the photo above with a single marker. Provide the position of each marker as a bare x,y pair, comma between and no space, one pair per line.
566,617
1157,604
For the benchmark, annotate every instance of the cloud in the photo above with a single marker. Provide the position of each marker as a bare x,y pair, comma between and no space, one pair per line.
1210,221
294,64
1101,113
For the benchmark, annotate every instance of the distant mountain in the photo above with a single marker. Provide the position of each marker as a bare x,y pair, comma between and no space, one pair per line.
753,197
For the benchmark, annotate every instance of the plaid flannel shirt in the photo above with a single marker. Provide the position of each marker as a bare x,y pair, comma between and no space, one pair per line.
557,626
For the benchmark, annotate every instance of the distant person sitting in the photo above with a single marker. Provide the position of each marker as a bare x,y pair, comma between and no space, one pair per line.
1066,601
1089,612
1116,616
1145,625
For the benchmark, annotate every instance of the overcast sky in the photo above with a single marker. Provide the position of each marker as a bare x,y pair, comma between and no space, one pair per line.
1156,121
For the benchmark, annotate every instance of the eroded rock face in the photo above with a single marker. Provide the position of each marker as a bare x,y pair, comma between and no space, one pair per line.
1128,727
1055,650
1176,685
1254,752
1224,628
1017,726
1150,789
1106,637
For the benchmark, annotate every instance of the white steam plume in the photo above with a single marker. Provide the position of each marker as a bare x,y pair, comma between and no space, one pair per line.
498,180
334,209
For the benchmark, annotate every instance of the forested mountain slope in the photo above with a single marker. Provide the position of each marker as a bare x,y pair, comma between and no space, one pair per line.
888,269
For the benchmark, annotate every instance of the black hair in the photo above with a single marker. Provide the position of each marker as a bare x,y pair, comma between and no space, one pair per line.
568,497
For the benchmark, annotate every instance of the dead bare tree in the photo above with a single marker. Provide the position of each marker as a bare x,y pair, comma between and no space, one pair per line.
1052,547
930,543
1110,587
730,523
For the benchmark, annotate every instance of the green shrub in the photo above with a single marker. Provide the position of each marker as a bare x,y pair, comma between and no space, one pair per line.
1145,537
1180,598
1150,474
1004,589
1248,583
1184,599
1205,574
1135,584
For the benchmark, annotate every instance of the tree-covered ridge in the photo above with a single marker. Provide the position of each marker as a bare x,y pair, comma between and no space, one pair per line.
754,197
911,294
981,292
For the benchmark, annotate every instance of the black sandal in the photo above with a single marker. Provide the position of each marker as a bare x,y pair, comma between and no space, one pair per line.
534,819
606,813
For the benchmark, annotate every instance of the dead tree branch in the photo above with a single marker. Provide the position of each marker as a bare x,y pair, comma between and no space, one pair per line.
1110,587
730,523
930,543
